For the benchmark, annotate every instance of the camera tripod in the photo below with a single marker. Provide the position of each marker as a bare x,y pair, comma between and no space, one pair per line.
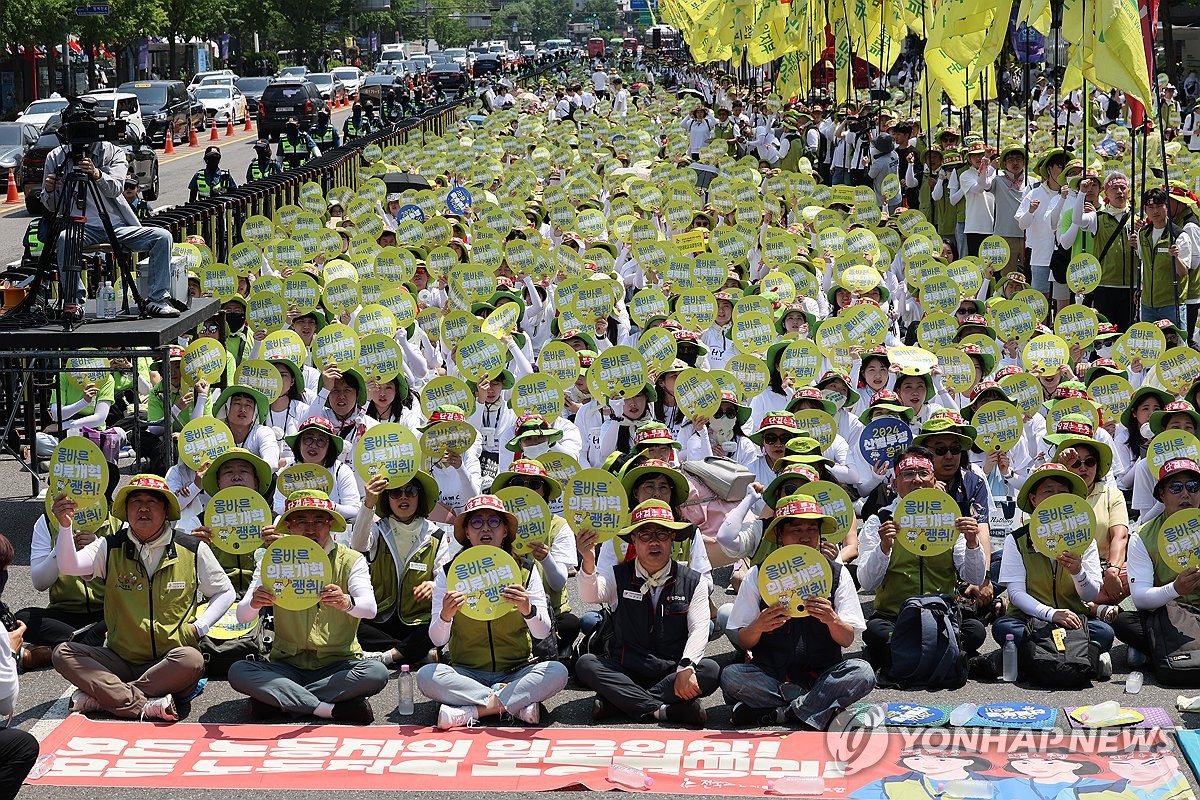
70,217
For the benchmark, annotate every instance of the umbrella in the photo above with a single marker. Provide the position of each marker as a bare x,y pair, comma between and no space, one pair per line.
689,93
401,181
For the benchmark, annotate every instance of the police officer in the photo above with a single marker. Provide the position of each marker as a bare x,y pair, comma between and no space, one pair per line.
132,196
296,146
324,134
373,122
356,125
263,165
212,181
390,109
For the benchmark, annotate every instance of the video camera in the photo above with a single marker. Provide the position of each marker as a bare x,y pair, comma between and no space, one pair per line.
84,123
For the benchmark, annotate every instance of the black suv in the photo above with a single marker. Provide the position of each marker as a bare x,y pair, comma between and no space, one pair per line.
165,107
284,100
448,77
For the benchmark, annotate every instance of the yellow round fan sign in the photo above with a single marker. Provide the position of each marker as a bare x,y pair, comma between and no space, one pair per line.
926,519
1179,540
387,449
295,569
1063,523
482,573
998,426
236,516
595,500
534,519
202,440
792,574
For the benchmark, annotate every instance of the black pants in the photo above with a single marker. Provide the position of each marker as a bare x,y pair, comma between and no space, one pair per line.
1115,303
1130,627
974,241
639,696
18,752
411,640
47,626
877,639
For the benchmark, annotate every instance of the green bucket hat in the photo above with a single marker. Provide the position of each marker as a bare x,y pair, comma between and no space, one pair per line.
262,470
260,400
652,466
793,472
430,492
1049,471
1164,398
1076,429
800,506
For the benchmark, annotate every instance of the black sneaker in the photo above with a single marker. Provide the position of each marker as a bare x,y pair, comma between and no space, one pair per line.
161,308
690,714
357,712
260,711
744,716
602,710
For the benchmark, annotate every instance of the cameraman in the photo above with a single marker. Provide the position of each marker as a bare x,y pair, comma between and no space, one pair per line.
104,165
18,750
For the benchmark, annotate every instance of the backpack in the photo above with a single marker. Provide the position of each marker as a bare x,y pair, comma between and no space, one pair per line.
924,644
1174,634
1056,657
221,654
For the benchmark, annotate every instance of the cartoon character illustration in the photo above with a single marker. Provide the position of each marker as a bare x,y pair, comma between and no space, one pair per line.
928,768
1147,772
1053,773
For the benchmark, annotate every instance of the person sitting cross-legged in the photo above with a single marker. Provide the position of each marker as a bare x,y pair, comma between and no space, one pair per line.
798,675
315,667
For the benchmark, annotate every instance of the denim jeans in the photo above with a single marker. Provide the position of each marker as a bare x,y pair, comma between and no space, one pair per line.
1155,313
461,686
838,687
1101,633
155,242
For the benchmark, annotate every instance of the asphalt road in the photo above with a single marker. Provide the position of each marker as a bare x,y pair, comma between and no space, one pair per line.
175,172
42,701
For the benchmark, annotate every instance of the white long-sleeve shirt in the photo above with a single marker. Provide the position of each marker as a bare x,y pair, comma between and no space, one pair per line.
358,586
538,624
969,563
748,604
1012,575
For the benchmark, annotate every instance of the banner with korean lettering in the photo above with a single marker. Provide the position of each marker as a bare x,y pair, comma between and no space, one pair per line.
188,756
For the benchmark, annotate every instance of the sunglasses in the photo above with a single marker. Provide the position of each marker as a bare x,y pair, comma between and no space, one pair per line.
725,415
776,438
1178,487
529,483
409,491
1090,463
646,537
478,523
943,449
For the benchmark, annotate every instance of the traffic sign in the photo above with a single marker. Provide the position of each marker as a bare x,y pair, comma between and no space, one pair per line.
98,10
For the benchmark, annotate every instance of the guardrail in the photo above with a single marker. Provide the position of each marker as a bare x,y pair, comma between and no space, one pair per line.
219,220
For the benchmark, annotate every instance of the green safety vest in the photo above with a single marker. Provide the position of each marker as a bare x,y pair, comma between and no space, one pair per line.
149,615
1116,268
239,568
1163,573
498,645
294,153
256,170
1158,269
206,189
1045,580
322,137
394,587
909,575
354,131
32,243
71,594
319,636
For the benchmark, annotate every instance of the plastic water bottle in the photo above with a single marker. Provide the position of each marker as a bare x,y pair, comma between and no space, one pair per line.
405,706
966,790
631,777
106,303
41,767
797,786
1102,713
963,714
1010,659
1133,684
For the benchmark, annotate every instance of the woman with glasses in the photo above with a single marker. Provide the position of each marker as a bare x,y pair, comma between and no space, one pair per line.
1056,590
773,434
1154,581
491,669
554,559
404,550
316,442
1077,450
1174,416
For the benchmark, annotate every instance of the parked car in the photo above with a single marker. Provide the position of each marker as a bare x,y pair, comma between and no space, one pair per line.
199,117
284,100
293,72
458,55
39,112
351,77
15,138
222,104
139,154
330,87
123,105
486,65
166,108
253,88
374,86
448,78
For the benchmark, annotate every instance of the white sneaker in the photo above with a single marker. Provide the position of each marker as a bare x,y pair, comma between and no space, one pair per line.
83,702
456,717
1104,667
531,713
160,708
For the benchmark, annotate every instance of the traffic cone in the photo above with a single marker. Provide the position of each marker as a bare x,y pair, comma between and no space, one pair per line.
247,127
12,197
193,141
168,142
214,136
229,126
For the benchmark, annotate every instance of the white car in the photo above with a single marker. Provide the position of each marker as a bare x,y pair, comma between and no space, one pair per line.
124,105
351,77
222,104
459,56
39,112
218,80
199,78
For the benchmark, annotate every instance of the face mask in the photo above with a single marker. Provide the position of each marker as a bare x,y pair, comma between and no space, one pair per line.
212,163
722,428
1103,350
535,450
1147,434
835,397
235,321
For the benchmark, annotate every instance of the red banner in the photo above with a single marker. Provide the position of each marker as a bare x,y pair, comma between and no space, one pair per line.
731,763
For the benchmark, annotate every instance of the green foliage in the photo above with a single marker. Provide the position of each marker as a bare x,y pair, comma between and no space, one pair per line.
271,57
